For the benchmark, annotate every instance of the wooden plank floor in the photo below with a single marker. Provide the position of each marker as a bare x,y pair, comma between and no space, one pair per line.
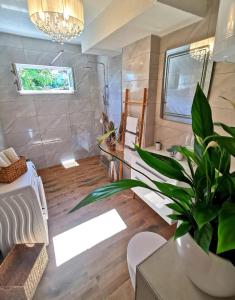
100,272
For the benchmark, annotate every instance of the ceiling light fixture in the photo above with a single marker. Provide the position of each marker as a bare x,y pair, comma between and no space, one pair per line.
60,19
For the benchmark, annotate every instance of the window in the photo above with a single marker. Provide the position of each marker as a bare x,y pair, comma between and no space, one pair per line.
35,79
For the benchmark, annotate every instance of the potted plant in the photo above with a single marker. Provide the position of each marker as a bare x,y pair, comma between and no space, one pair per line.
203,203
109,135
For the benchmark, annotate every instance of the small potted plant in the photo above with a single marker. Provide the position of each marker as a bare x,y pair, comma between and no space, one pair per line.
109,135
203,202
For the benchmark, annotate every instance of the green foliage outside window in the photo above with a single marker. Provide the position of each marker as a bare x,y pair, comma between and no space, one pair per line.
43,79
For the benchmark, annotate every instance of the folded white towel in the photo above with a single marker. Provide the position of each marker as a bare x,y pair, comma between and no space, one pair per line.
3,164
132,124
130,140
11,155
5,160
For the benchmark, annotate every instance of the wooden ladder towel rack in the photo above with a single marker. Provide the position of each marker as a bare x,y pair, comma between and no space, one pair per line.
127,103
143,103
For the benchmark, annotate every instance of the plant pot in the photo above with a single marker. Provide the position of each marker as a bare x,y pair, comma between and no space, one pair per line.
210,273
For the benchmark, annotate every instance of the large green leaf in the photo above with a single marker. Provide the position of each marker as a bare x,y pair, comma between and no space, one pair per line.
204,178
165,165
184,195
204,214
228,143
178,217
221,159
201,115
109,190
228,129
198,148
182,229
225,190
226,230
175,207
203,237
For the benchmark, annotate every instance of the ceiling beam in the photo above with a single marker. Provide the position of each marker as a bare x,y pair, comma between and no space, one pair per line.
116,15
123,22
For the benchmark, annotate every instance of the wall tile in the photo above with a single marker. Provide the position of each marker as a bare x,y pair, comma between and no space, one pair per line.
55,134
69,48
50,105
24,139
18,125
136,49
80,118
11,40
81,139
222,85
39,45
22,108
39,126
55,152
155,44
34,152
79,105
221,68
6,77
171,136
226,116
52,121
42,58
9,55
136,68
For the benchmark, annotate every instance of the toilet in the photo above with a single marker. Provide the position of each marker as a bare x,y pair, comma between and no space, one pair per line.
140,247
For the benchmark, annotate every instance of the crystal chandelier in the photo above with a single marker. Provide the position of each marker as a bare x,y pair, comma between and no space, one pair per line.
60,19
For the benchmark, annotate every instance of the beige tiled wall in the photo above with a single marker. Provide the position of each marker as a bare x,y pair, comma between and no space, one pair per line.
139,64
222,82
143,65
48,128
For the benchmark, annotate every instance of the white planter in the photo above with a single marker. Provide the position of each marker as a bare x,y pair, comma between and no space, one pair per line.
210,273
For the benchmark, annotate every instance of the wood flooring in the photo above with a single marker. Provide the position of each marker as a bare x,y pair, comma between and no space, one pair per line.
100,272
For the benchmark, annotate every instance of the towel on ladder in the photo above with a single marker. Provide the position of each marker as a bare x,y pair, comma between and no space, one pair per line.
130,140
132,124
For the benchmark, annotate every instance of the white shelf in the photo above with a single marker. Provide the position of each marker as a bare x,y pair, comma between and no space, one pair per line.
156,201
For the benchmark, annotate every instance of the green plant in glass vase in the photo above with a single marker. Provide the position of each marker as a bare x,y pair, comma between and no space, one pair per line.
204,201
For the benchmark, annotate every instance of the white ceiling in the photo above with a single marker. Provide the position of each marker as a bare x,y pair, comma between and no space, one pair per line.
14,17
111,24
158,20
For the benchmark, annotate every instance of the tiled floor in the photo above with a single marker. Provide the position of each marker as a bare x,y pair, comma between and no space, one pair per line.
100,272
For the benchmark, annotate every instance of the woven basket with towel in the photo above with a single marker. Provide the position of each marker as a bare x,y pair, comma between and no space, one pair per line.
12,166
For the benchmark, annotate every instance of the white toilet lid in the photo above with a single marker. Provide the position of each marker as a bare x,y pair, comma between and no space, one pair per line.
142,245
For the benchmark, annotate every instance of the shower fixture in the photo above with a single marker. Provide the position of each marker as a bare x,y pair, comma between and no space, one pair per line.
106,87
56,57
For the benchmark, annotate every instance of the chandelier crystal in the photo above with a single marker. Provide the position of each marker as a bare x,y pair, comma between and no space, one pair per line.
60,19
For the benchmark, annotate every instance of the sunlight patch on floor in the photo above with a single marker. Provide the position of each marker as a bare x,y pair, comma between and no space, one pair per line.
70,163
86,235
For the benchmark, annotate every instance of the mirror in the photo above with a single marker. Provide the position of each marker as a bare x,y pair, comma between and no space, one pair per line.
184,68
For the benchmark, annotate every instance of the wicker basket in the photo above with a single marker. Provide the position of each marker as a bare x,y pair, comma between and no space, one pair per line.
21,271
14,171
